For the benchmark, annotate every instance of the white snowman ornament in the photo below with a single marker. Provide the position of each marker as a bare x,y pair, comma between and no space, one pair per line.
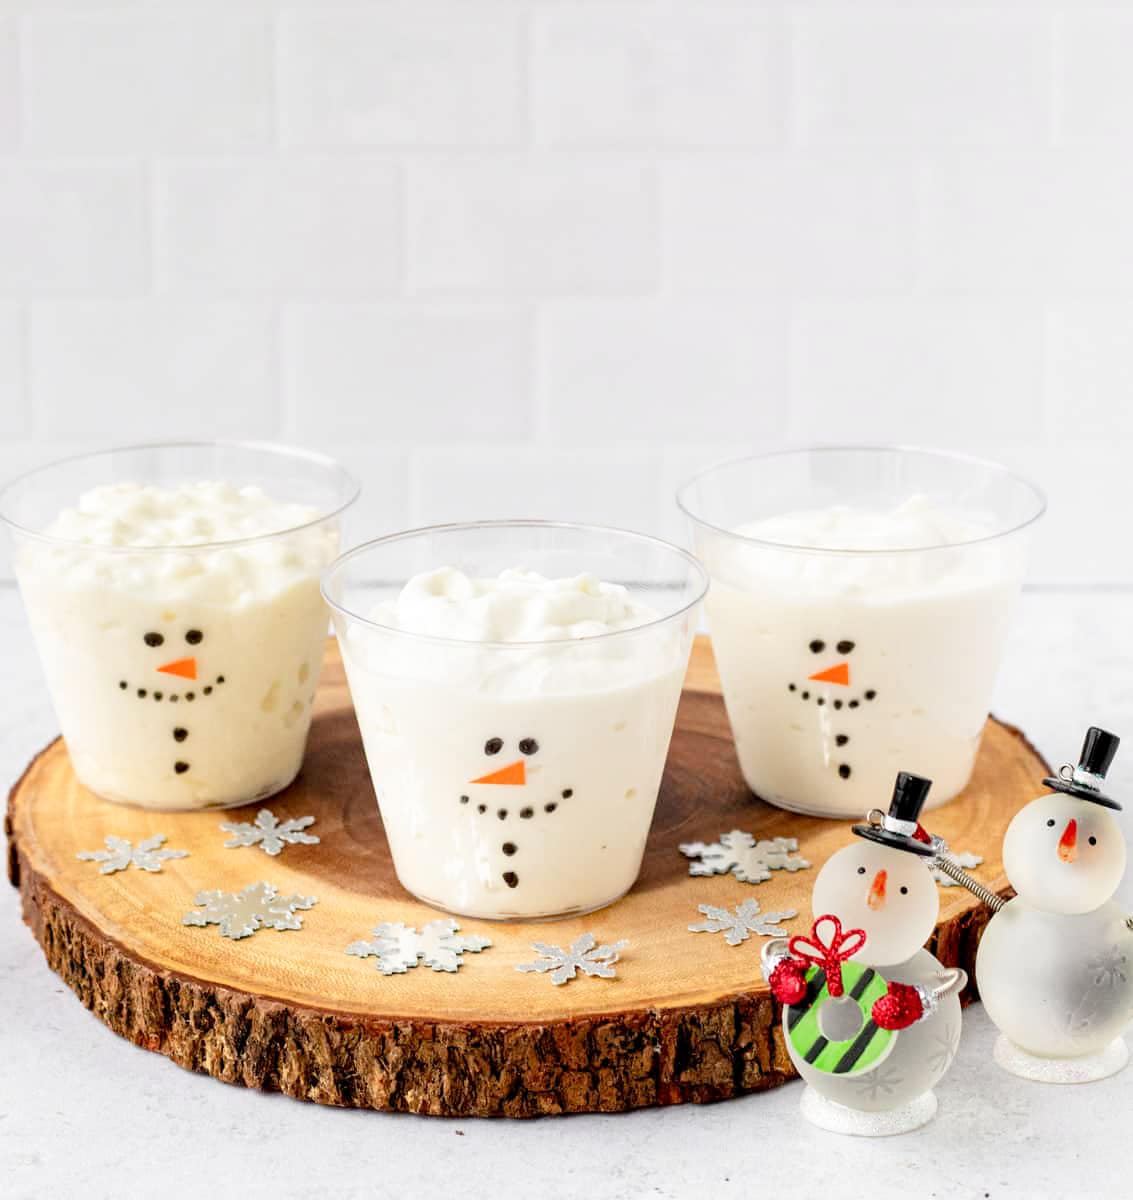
1055,965
871,1019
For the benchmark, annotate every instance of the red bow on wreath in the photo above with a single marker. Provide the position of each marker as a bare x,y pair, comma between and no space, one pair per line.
830,953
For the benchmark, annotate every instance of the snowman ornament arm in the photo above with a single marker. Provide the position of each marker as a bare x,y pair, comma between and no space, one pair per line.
906,1004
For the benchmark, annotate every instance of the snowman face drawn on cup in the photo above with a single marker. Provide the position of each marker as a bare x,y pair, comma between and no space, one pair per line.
829,686
514,797
886,892
170,671
1064,855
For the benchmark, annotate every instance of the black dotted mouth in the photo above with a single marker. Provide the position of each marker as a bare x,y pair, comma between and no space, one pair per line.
820,698
173,697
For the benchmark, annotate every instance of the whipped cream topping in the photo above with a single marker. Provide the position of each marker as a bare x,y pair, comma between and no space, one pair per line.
869,555
516,606
915,524
189,514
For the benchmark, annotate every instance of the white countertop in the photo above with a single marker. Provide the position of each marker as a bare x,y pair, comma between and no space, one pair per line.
83,1112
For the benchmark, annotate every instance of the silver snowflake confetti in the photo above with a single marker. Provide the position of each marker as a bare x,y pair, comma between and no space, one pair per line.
240,914
397,947
271,833
750,861
119,854
740,923
964,859
583,955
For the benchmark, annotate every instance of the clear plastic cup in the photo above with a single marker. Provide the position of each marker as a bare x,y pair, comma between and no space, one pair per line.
842,666
517,780
182,675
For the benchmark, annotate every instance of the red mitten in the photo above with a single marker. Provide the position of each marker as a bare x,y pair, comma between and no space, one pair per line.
788,981
899,1008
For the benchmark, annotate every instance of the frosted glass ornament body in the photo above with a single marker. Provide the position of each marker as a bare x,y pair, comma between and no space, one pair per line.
1059,985
891,895
920,1056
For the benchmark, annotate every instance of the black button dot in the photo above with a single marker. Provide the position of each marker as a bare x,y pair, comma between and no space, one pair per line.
806,695
481,808
861,870
870,694
844,646
501,813
207,689
180,767
511,879
1050,823
190,695
817,646
123,685
142,693
1093,841
550,807
509,848
904,891
567,793
153,639
853,704
528,746
837,703
790,687
174,698
821,701
526,813
193,637
179,734
157,695
841,739
220,679
463,799
844,771
493,745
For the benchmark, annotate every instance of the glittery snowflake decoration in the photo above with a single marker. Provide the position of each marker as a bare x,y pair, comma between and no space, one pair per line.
963,859
583,956
269,832
740,923
398,947
239,915
750,861
119,854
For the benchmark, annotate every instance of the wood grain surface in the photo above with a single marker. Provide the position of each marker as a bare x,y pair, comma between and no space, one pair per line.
687,1019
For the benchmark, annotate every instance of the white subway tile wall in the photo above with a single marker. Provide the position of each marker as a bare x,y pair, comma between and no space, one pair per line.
550,257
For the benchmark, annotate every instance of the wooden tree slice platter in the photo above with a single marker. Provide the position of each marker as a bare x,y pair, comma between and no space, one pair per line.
688,1017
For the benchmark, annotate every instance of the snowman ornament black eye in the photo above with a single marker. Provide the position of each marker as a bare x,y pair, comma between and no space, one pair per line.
861,870
493,745
904,891
153,639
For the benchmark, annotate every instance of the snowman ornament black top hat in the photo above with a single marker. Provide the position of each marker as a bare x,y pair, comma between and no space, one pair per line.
900,827
1086,779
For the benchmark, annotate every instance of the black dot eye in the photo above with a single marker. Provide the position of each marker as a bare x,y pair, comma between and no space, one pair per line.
1050,823
493,745
844,647
528,746
193,637
817,646
153,639
861,870
1093,841
904,891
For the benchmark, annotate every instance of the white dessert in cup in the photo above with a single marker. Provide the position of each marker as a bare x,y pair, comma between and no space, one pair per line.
857,640
181,631
516,728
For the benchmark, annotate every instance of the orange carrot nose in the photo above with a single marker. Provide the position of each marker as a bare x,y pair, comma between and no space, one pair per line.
515,772
876,897
1068,842
185,667
836,674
